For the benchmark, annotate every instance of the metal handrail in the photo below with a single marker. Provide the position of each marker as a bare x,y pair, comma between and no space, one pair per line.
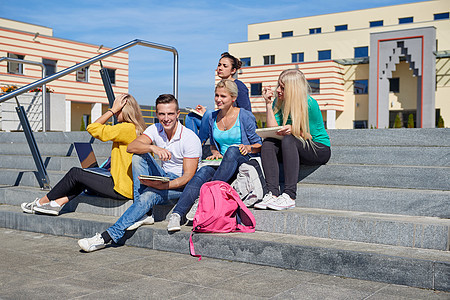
44,69
94,60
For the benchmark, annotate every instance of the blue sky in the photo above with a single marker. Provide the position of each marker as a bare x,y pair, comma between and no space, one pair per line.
199,30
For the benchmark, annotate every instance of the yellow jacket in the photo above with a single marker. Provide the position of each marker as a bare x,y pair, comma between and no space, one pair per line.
121,134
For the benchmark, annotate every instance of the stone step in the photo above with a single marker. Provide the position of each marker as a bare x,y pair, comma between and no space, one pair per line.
52,163
391,155
390,137
374,228
389,229
422,268
15,177
103,149
410,177
411,202
48,137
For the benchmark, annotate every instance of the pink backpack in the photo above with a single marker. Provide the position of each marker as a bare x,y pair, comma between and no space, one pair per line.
218,208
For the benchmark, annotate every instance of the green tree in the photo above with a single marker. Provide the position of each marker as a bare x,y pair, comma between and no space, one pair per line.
410,121
440,123
83,126
259,124
397,122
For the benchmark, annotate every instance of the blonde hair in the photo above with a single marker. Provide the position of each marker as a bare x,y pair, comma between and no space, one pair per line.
229,85
131,113
295,102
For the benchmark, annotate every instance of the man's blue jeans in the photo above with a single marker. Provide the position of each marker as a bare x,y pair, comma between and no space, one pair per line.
199,125
144,197
228,167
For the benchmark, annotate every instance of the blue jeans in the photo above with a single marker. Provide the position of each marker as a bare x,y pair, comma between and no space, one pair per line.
199,125
144,197
227,169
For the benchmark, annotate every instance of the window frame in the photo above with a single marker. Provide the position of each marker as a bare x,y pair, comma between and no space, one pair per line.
377,23
441,16
270,59
316,30
365,90
391,89
341,27
287,34
13,63
108,70
298,54
78,79
244,61
319,52
264,36
314,90
50,63
360,48
406,20
253,86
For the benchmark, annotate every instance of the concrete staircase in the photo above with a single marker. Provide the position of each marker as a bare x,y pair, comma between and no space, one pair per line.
379,210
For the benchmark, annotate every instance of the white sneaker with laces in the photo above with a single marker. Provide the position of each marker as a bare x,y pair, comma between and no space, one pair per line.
191,214
174,222
28,207
91,244
268,198
282,202
145,220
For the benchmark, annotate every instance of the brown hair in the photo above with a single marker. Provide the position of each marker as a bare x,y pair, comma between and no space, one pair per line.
166,98
235,63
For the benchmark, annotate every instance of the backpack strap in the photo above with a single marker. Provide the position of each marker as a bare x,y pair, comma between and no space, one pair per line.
191,247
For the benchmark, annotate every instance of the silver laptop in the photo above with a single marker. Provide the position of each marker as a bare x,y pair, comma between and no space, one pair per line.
88,160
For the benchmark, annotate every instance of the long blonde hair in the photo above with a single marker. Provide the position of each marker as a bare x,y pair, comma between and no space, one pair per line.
131,113
295,102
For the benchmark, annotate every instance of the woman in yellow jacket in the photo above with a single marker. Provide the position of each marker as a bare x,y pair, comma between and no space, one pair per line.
120,184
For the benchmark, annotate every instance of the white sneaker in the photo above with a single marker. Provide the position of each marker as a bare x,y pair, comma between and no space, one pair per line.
191,214
174,222
268,198
91,244
28,207
145,220
282,202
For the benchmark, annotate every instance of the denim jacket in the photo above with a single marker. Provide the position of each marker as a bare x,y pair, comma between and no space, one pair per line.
248,127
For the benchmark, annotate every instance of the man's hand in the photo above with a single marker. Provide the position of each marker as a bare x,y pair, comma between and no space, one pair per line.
162,153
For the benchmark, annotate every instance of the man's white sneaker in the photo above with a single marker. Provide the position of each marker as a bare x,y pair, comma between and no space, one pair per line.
191,214
268,198
174,222
282,202
28,207
91,244
145,220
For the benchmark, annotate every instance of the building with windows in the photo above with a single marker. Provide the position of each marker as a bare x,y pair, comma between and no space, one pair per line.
79,96
365,67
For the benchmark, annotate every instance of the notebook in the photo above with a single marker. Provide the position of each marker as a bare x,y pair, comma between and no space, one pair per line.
88,160
269,132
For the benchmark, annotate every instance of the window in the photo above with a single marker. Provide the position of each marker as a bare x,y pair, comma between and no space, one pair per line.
298,57
287,33
256,89
324,54
405,20
315,30
269,59
15,67
246,61
361,86
50,66
340,27
264,36
441,16
314,84
359,124
83,74
361,52
112,75
394,85
376,23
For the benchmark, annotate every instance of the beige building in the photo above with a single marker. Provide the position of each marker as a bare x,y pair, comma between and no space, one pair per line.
82,93
333,51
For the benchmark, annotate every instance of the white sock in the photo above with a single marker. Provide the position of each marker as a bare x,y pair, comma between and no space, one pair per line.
54,204
38,204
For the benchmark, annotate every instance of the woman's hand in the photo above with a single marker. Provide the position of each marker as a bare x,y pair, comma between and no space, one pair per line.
286,130
245,149
156,184
201,109
215,155
118,104
268,95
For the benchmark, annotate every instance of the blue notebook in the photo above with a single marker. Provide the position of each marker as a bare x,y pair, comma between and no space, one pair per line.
88,160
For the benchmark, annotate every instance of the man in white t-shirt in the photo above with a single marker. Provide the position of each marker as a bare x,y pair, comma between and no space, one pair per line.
179,150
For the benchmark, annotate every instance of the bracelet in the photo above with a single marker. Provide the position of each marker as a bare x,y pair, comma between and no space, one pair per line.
111,111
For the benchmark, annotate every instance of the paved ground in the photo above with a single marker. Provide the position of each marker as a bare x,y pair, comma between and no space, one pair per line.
38,266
